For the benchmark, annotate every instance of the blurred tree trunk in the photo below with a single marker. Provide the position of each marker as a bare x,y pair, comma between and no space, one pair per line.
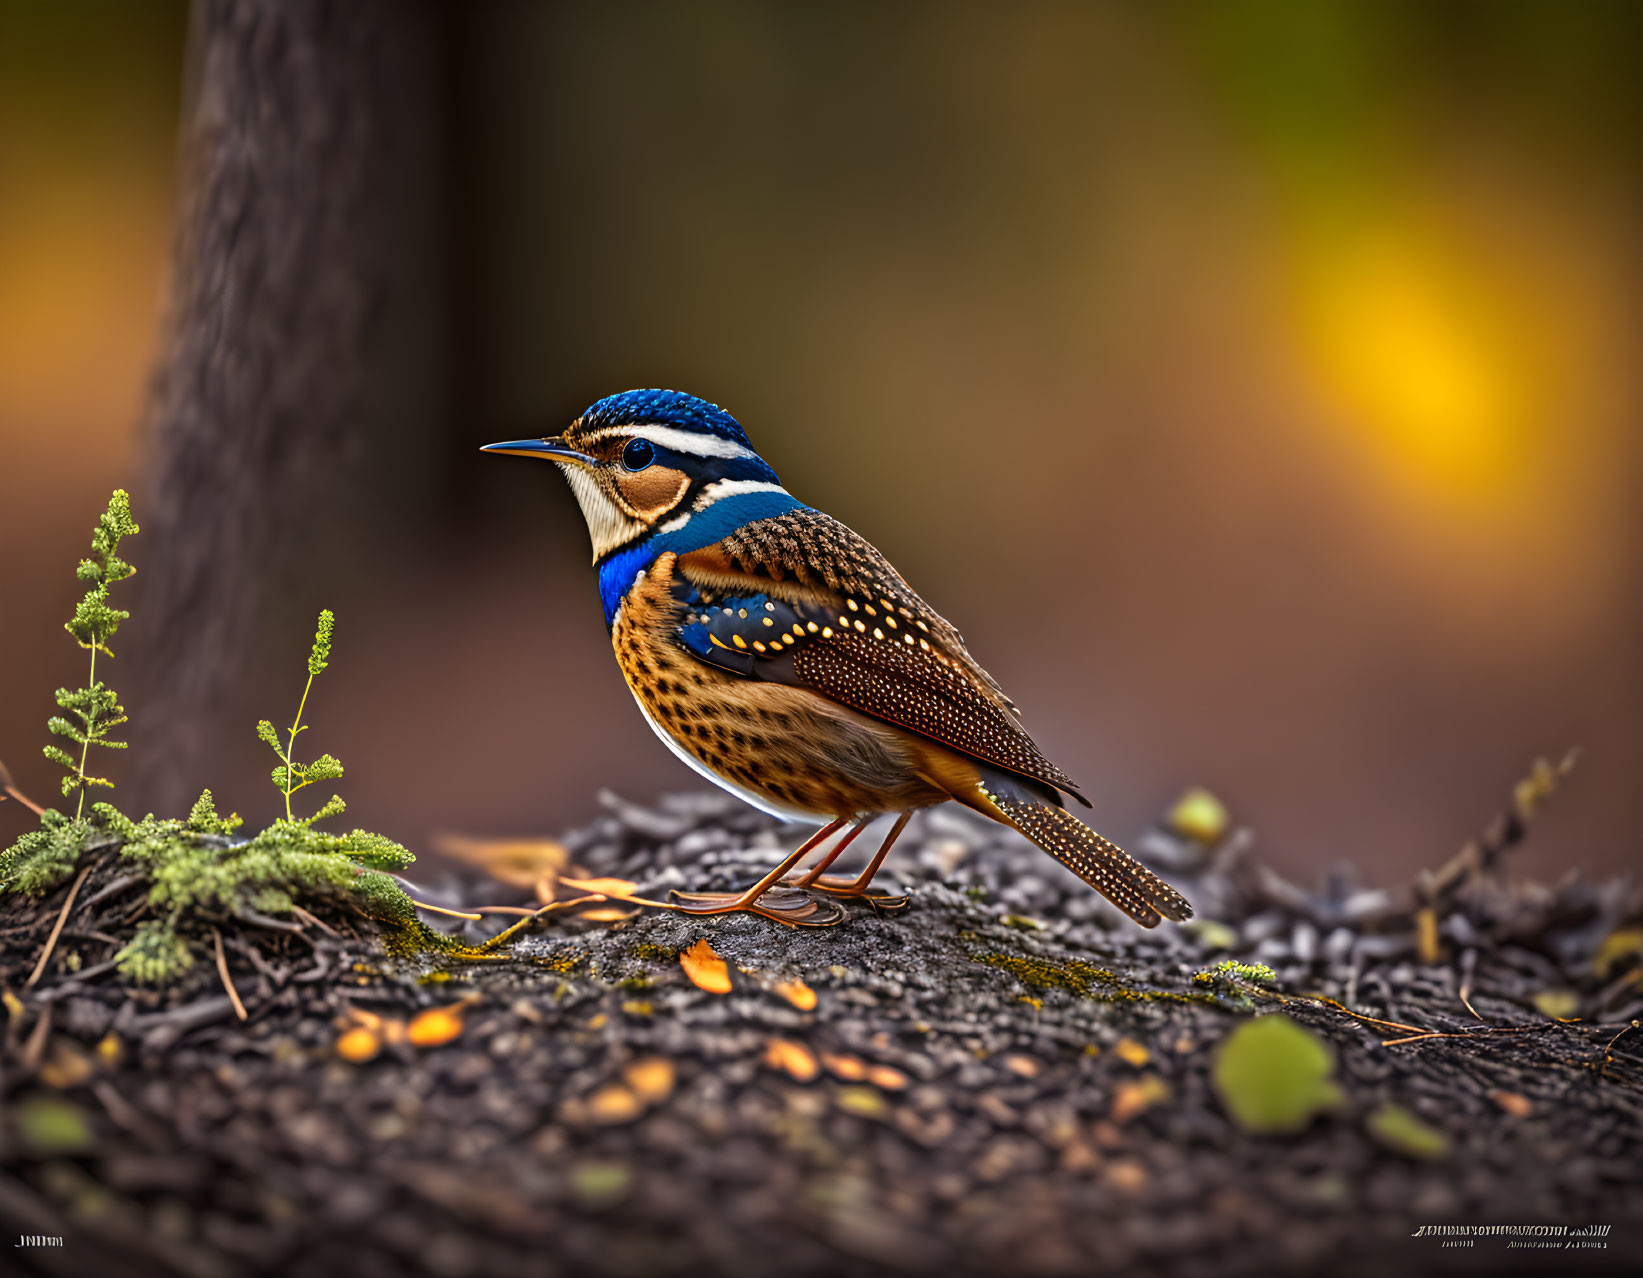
305,151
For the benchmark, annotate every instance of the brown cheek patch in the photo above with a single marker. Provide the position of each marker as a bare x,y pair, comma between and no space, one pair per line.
654,491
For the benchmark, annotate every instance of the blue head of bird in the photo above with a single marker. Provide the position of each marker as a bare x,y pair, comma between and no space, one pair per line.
656,471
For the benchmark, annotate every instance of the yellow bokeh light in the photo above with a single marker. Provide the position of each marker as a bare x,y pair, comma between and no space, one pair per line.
1416,351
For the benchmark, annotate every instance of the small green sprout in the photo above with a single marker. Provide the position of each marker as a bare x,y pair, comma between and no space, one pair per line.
96,706
292,776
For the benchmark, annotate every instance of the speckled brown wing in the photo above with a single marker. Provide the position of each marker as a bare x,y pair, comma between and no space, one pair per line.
801,599
817,550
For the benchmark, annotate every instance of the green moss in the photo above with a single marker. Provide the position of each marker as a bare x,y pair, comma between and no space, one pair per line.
203,818
654,953
197,867
189,869
562,960
44,858
156,955
1079,978
1234,971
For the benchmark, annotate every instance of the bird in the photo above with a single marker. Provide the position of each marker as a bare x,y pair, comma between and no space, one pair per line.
779,654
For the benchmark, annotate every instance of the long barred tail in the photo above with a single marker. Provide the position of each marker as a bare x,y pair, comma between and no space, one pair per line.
1102,864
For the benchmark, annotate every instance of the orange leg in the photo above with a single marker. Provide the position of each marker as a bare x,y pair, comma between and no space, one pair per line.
836,885
815,871
784,904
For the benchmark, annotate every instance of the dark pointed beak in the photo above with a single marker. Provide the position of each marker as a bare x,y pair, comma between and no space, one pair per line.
554,449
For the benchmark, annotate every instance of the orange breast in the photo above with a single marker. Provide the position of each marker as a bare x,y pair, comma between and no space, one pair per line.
786,750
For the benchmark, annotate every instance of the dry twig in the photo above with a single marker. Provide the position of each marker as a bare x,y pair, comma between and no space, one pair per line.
56,929
440,909
8,790
314,919
227,981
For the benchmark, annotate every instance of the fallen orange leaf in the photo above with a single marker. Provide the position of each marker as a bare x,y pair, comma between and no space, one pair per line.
703,966
614,1104
795,1059
891,1080
848,1068
526,863
1132,1052
1127,1176
1136,1096
435,1026
358,1046
651,1079
798,993
1514,1103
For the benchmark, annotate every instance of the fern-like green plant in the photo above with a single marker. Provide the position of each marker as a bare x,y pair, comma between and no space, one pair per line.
291,776
200,871
96,707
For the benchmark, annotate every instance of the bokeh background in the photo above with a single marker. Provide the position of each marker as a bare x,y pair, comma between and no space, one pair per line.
1255,385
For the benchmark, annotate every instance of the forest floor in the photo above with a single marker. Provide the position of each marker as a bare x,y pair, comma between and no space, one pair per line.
1004,1077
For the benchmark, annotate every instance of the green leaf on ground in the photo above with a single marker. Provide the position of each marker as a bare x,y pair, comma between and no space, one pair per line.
1273,1076
1400,1131
48,1125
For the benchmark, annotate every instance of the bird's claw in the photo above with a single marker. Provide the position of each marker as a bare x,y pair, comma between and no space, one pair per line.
836,885
786,905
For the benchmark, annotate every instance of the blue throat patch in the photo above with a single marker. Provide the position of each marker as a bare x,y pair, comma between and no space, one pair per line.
618,569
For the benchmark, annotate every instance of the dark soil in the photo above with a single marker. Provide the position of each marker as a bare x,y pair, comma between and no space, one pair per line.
1009,1079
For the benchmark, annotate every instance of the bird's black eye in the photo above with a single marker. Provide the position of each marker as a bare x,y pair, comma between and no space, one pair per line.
638,454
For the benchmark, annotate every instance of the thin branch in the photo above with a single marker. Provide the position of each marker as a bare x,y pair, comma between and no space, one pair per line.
8,789
507,934
1608,1048
440,909
1488,1031
227,981
1468,965
57,929
34,1047
262,920
112,888
318,922
1373,1020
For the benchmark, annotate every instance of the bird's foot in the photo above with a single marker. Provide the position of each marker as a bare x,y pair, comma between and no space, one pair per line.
839,886
785,904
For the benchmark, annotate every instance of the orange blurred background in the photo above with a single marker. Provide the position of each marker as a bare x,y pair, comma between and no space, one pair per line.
1254,385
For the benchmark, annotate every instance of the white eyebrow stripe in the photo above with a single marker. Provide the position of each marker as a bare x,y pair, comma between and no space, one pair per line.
717,491
722,488
680,441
